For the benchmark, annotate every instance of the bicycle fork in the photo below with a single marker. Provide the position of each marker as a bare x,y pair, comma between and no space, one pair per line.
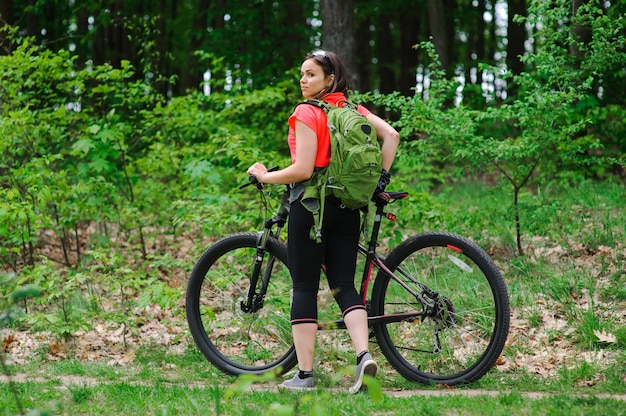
254,300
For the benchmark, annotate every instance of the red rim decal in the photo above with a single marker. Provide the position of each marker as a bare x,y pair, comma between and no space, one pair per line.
454,248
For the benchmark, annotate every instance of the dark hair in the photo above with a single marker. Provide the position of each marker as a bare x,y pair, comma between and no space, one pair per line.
331,65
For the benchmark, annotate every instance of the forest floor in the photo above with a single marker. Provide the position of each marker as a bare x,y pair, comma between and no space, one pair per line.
543,353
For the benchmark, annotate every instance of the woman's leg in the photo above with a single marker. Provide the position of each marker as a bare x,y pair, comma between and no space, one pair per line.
304,340
340,259
341,254
356,322
305,260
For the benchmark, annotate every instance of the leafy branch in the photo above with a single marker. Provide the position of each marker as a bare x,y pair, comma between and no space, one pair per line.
7,317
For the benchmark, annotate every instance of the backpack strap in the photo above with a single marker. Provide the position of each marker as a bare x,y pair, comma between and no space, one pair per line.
325,105
314,198
317,103
314,201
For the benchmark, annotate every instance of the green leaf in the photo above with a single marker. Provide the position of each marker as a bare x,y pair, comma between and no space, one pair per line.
25,292
83,145
373,387
243,384
100,165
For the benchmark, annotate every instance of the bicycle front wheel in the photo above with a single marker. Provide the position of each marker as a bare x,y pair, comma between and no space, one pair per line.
233,338
464,303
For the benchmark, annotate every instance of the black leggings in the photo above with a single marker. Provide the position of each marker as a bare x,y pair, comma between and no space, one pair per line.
340,238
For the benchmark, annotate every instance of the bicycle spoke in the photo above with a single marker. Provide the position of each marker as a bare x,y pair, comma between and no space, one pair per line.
241,339
256,327
462,332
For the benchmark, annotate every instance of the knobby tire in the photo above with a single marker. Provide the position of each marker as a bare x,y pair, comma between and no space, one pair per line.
236,341
472,310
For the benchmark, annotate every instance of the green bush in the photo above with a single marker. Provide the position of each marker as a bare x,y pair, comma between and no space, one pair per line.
95,161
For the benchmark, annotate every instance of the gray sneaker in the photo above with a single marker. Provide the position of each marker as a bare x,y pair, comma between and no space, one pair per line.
297,383
367,366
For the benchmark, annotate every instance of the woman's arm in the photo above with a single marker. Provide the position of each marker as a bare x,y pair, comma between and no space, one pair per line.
301,169
389,136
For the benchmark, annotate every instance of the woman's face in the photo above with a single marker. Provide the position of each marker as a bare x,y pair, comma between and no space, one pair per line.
312,78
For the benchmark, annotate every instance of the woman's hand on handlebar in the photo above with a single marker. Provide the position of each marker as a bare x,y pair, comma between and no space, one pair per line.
257,170
255,175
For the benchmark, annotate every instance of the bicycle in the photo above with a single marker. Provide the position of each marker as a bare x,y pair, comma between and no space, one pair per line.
439,308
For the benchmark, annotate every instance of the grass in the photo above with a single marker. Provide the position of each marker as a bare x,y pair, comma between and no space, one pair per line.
568,287
187,385
123,399
165,383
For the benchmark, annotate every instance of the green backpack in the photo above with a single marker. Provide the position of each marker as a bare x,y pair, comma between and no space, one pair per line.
355,163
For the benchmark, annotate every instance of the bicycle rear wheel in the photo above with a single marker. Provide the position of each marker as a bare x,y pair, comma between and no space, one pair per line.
235,341
465,303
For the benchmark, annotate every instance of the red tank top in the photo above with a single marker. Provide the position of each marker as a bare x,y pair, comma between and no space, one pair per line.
315,118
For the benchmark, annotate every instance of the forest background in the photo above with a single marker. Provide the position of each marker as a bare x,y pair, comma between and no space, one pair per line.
126,126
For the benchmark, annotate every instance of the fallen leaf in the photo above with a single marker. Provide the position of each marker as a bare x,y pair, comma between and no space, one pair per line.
7,342
55,348
605,337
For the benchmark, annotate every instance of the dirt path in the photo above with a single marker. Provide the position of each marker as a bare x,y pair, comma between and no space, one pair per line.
67,381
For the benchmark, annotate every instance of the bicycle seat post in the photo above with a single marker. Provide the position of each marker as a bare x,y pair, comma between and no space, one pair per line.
380,212
381,200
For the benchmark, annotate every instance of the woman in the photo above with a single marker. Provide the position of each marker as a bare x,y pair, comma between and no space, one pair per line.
323,77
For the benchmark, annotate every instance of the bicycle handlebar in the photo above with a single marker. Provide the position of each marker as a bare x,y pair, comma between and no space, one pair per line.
252,180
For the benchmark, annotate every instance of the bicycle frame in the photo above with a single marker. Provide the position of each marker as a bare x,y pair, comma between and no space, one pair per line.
437,306
373,259
254,299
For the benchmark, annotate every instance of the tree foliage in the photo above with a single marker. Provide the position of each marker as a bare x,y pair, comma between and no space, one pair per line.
174,43
104,163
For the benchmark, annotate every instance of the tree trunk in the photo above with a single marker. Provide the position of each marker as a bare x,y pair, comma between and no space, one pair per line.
364,54
108,41
516,38
338,35
409,59
192,74
491,45
82,31
480,40
162,62
98,42
475,50
295,16
581,33
116,35
6,17
439,32
384,52
217,23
